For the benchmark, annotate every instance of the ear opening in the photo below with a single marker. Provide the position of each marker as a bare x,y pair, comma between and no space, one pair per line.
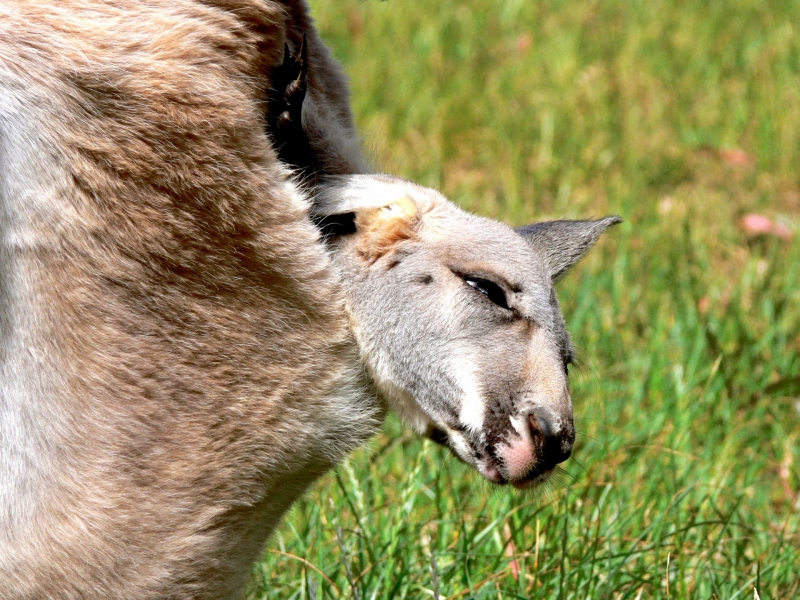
336,224
379,209
563,243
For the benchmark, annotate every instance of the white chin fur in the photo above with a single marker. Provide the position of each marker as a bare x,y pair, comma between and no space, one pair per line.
460,446
472,405
405,406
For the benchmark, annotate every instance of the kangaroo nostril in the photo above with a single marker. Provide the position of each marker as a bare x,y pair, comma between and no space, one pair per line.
555,448
541,423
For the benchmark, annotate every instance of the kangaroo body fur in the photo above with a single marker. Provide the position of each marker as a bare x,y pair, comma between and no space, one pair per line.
175,361
180,353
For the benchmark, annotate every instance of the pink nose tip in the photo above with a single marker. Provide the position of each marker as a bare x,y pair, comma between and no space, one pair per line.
542,449
518,458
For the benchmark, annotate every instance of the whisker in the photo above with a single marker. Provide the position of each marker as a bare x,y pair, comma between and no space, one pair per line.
579,464
587,436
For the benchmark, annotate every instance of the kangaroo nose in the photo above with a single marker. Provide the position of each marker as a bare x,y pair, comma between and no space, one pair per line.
556,445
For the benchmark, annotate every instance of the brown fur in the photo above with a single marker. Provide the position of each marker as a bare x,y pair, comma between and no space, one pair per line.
381,229
177,363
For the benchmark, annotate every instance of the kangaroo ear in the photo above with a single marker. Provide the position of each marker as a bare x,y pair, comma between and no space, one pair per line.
379,209
380,229
400,211
563,243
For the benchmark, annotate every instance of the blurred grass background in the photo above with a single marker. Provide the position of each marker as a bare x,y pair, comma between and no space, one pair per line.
682,117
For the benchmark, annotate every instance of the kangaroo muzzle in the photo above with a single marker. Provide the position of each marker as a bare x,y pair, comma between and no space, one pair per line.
529,457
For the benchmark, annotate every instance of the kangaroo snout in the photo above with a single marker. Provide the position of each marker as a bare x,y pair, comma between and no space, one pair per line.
530,458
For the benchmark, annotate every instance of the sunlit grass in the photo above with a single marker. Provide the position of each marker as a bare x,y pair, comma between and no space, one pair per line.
681,117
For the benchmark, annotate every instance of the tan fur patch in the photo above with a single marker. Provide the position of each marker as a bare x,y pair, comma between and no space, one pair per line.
382,229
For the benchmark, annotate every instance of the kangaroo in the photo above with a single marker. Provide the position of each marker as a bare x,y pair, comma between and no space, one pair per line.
457,320
455,316
183,347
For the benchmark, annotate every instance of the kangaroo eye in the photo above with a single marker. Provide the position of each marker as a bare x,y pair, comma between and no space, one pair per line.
491,290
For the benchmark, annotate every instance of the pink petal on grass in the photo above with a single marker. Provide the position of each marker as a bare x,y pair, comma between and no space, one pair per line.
736,156
753,224
782,231
524,43
511,552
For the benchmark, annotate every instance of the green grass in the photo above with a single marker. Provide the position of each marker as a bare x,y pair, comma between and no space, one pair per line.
685,481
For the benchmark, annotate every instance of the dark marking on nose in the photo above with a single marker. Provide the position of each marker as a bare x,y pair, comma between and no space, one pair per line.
556,447
425,279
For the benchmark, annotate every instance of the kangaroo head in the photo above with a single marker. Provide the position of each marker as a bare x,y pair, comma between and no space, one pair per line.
457,320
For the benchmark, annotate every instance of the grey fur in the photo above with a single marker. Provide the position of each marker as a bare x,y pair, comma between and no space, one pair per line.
563,243
445,357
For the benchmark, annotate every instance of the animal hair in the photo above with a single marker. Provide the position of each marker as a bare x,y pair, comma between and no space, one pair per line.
175,361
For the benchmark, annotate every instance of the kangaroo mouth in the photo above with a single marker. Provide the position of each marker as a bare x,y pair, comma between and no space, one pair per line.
532,479
490,466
